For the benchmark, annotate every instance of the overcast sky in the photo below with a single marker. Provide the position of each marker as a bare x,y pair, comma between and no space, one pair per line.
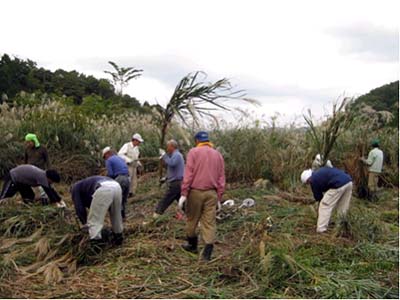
290,55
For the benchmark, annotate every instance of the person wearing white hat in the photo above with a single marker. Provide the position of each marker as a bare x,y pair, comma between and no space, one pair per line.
333,188
130,153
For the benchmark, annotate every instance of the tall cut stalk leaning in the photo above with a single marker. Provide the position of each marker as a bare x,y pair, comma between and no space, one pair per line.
325,135
193,98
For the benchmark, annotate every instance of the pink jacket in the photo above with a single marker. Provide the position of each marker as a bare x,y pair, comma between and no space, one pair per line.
204,170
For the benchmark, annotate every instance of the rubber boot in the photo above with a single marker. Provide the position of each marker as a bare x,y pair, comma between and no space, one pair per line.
208,249
117,239
191,246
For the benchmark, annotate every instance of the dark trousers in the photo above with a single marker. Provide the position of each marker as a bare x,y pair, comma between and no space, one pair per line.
124,182
173,193
10,189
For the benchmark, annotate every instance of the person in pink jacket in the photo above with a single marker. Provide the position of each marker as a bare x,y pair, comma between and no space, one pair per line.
202,189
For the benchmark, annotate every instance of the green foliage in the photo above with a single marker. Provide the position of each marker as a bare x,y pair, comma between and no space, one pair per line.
384,98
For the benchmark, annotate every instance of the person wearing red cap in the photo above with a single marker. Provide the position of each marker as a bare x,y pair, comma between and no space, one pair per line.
202,189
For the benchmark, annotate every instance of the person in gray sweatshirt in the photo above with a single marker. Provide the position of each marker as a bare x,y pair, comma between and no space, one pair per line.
22,178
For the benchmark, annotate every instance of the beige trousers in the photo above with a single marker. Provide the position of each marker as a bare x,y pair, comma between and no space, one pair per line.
334,198
132,168
373,179
106,197
201,207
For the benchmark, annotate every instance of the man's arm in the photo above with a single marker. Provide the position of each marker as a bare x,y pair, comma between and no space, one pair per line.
189,175
52,194
171,160
26,156
371,159
318,195
122,153
221,180
79,208
110,170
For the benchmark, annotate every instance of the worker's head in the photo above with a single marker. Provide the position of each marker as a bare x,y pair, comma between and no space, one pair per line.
306,176
201,137
375,143
53,176
172,145
107,152
31,140
137,139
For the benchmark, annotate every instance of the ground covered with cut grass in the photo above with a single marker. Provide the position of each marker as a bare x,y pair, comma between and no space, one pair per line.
268,251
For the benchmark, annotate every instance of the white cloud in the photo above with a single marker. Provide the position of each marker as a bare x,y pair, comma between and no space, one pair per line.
282,51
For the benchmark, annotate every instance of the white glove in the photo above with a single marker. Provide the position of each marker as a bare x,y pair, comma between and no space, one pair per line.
162,152
182,200
218,206
61,204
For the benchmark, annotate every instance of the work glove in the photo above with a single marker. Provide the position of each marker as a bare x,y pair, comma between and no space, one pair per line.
85,228
182,200
61,204
219,206
161,152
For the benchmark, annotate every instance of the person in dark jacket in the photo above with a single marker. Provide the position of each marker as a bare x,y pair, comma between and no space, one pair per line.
100,195
22,178
332,188
35,153
118,169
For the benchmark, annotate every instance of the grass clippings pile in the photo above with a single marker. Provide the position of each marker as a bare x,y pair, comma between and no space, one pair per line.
269,250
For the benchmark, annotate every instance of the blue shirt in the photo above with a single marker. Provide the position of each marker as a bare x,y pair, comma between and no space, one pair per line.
116,166
325,179
175,164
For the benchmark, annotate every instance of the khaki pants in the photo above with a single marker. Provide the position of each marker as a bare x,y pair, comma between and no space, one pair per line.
132,168
339,198
201,207
107,197
373,179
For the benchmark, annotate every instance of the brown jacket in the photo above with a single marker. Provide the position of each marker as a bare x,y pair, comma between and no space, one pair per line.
38,157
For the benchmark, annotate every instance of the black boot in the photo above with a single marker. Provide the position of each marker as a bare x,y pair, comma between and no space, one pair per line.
117,239
208,249
191,246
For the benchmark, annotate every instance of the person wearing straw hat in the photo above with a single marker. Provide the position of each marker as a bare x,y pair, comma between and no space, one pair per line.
202,189
117,169
332,188
130,153
375,165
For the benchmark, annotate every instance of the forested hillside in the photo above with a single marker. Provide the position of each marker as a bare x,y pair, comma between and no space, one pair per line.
384,98
18,75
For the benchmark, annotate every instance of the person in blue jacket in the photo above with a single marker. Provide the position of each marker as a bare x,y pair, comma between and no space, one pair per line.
117,169
333,189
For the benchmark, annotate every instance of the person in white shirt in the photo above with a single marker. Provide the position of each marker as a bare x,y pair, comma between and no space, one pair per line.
130,153
375,165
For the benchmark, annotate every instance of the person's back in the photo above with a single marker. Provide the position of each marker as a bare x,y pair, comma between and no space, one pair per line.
29,175
375,160
327,178
205,166
116,165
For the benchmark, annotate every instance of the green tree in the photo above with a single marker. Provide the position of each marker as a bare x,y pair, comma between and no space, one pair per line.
195,98
122,76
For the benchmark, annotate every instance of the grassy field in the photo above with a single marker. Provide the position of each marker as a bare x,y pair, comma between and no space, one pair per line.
270,250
